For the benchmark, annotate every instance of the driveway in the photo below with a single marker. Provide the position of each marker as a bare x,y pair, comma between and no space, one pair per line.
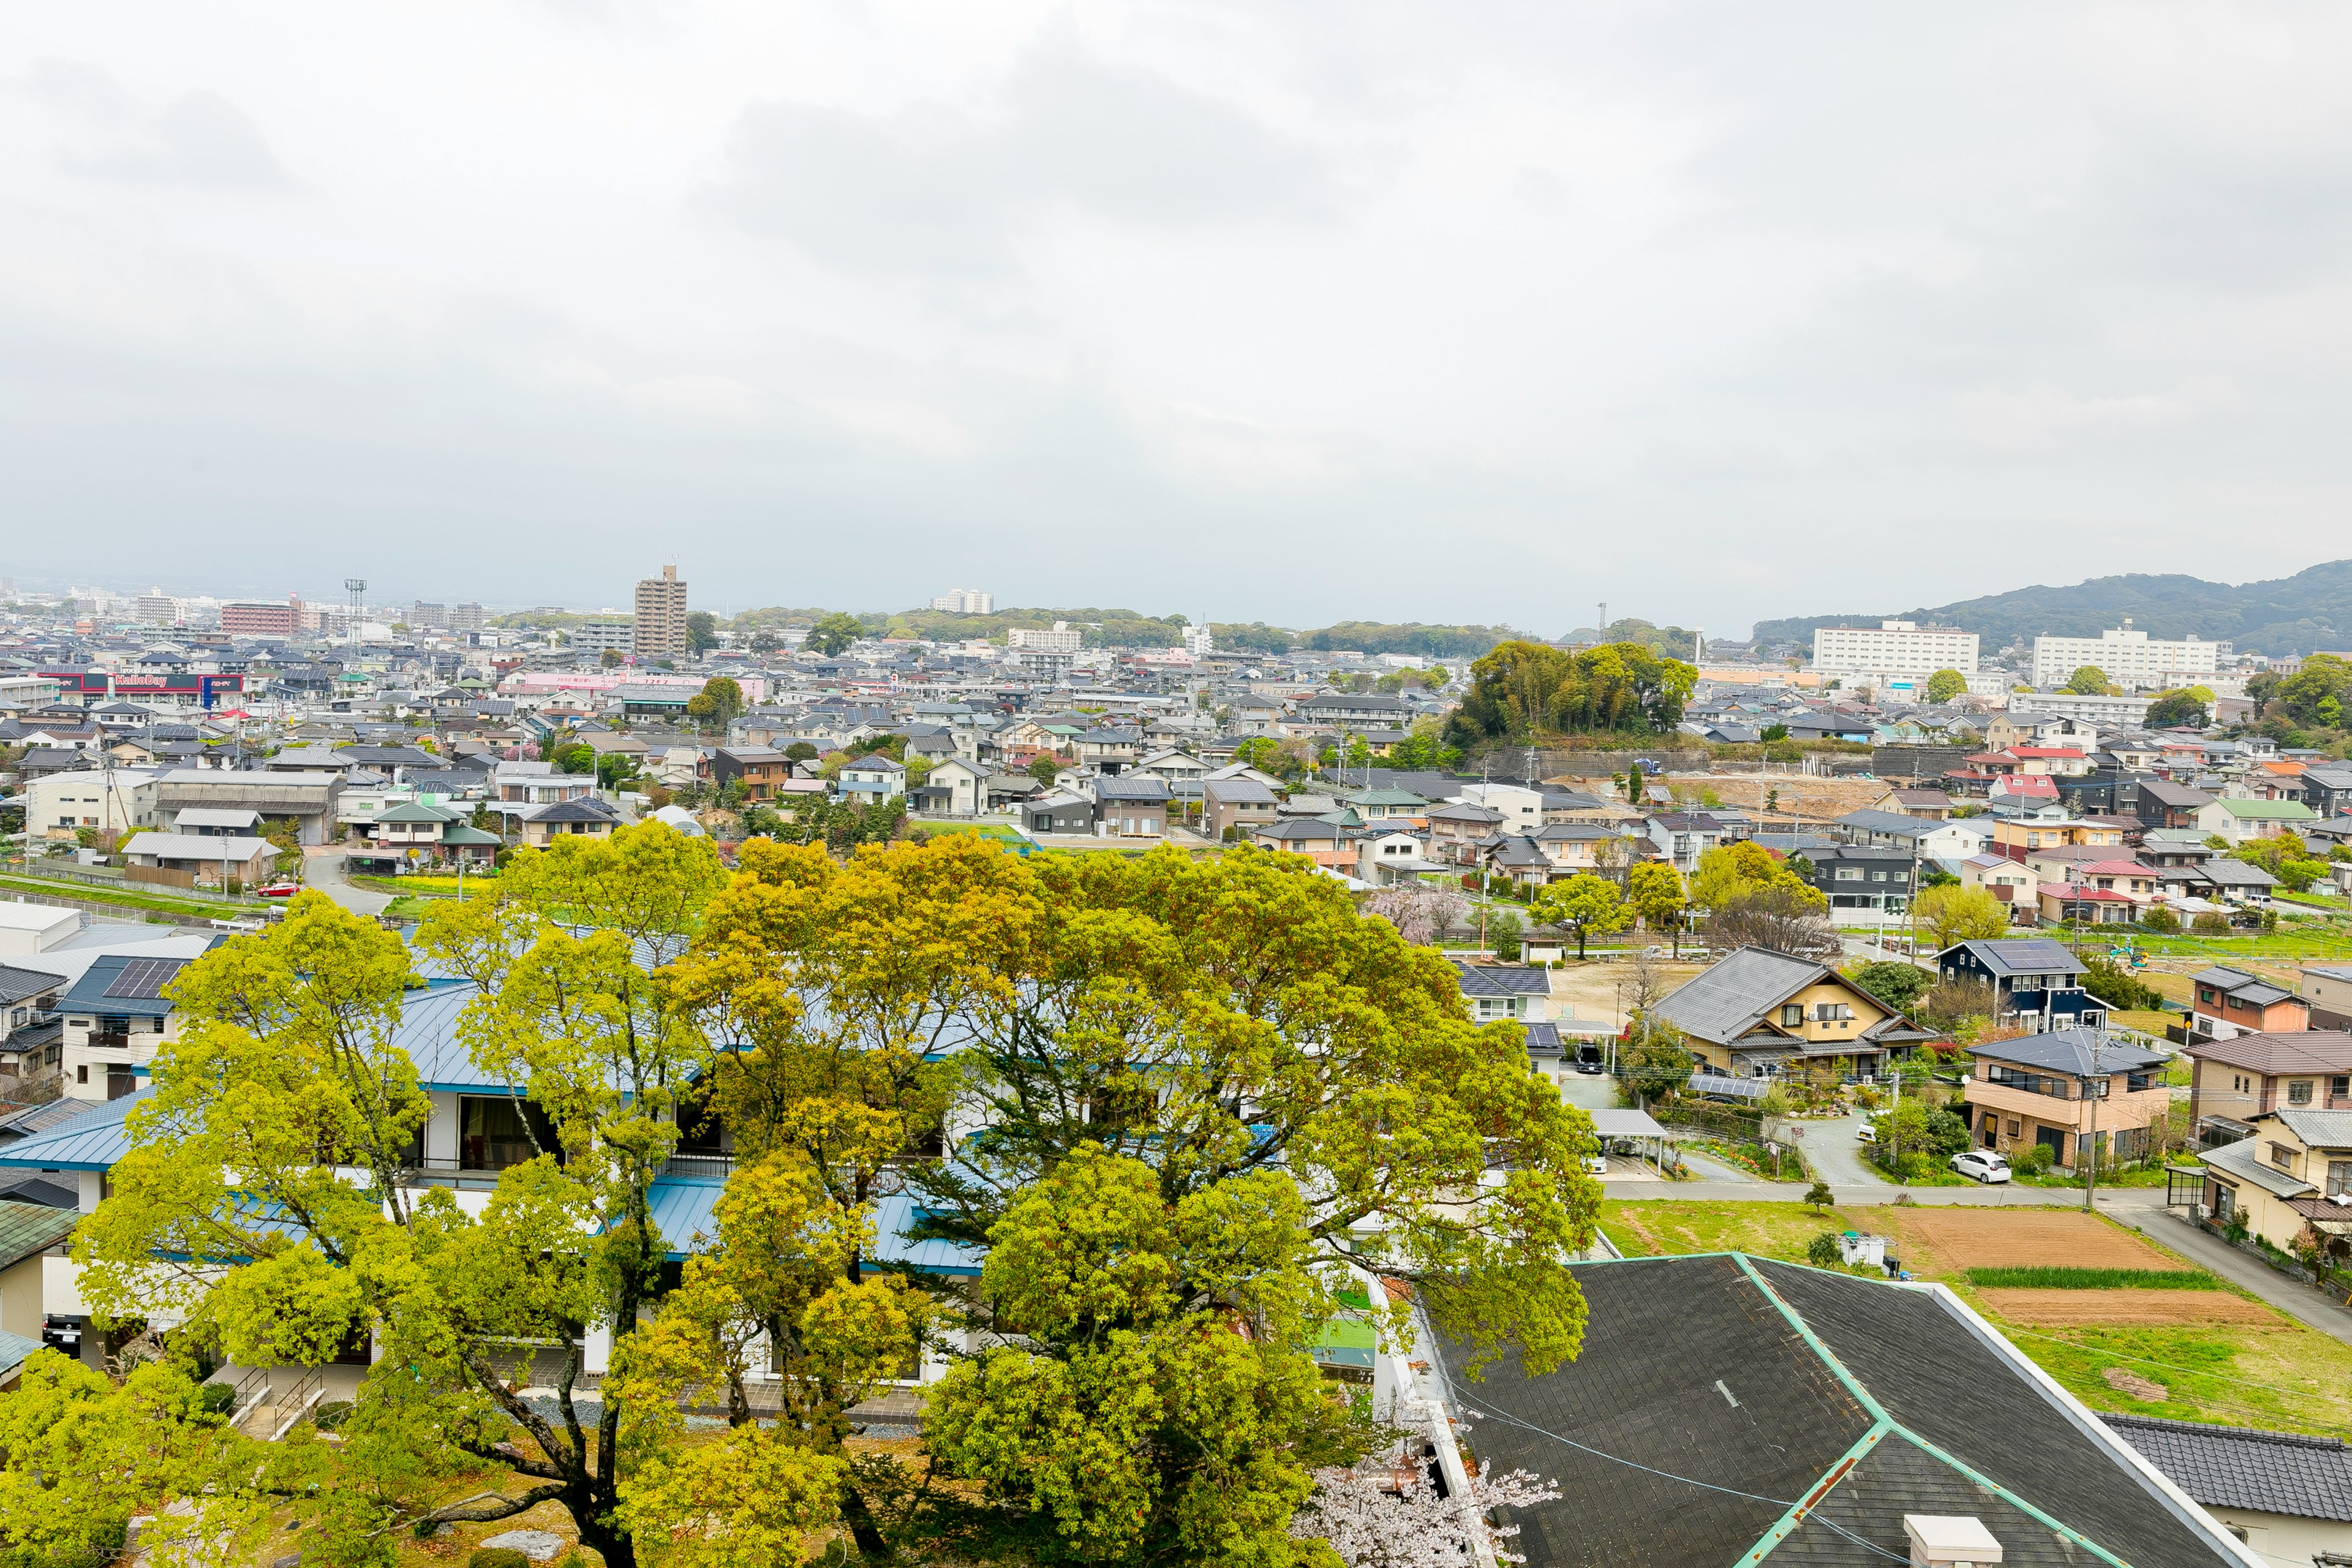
1837,1155
322,868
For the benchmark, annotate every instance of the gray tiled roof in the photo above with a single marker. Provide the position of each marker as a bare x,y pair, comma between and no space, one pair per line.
2068,1051
2318,1129
2240,1466
2241,1161
1502,979
1731,995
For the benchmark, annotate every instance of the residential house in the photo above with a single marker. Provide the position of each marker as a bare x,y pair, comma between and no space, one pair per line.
1514,859
1682,836
2327,988
1321,842
2063,1087
759,771
114,1017
1930,837
1233,806
2036,982
585,816
2241,820
1131,807
960,788
1752,1432
2019,836
29,1034
1497,991
29,1235
193,861
1058,812
2236,1080
1175,766
1378,805
1389,853
2226,1002
1573,847
870,779
2011,882
1759,1012
2164,804
536,783
2327,791
2286,1495
1110,750
1519,808
2230,881
1863,884
58,804
1933,804
420,832
1456,831
2282,1181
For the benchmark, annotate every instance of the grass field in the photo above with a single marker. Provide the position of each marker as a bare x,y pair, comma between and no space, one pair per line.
128,902
2134,1349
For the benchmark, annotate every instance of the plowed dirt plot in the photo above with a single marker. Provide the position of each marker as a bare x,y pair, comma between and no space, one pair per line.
1958,1238
2061,1309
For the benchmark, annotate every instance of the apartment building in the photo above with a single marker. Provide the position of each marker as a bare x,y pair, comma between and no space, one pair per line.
1061,639
619,634
1893,647
2129,659
965,601
660,627
261,618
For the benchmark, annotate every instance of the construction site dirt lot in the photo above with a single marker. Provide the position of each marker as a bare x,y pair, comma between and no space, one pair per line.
1597,988
1946,1241
2063,1308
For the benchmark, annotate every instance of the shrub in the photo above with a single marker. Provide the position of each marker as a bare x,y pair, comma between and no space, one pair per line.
497,1557
216,1398
2160,919
331,1414
2210,924
1821,1252
2033,1158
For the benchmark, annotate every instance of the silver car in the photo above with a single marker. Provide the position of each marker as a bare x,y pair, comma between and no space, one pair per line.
1983,1164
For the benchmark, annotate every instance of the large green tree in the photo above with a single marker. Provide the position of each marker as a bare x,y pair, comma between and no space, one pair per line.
1585,904
2318,693
1220,1074
267,1199
1524,689
834,634
1945,685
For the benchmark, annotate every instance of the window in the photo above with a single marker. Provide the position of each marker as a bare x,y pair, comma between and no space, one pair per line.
2339,1177
2282,1157
2298,1092
1792,1014
2012,1129
2339,1086
1849,873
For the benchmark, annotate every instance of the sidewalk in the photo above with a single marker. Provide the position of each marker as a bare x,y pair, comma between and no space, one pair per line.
2297,1301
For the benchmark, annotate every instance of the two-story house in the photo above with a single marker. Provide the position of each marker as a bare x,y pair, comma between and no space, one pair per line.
2036,982
760,772
2284,1181
1759,1012
1682,836
871,778
113,1018
2226,1002
2010,882
1861,883
30,1035
1325,843
1233,806
584,817
2235,1079
1455,831
1131,806
2063,1089
1497,991
2327,989
2239,821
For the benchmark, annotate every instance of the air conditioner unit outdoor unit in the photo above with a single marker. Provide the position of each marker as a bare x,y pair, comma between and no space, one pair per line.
2341,1200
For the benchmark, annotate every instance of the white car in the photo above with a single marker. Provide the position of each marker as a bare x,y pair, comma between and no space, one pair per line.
1594,1165
1981,1164
1864,1132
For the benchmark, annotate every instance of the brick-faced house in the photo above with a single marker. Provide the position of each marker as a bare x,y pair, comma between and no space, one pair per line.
2225,1002
2234,1081
758,769
2048,1089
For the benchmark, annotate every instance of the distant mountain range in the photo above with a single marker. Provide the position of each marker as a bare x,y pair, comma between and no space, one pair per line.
2312,609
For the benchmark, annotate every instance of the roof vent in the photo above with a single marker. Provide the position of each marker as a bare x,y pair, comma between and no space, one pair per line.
1949,1541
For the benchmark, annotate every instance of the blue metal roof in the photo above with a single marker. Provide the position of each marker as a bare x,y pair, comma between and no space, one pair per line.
93,1141
682,1208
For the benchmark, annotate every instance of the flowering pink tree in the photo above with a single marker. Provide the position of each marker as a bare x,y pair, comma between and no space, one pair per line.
1385,1513
1419,913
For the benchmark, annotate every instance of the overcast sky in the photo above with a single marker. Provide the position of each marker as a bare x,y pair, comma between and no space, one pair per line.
1438,312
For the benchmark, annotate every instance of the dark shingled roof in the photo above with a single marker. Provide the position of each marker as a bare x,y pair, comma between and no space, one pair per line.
1715,1393
2240,1466
2068,1051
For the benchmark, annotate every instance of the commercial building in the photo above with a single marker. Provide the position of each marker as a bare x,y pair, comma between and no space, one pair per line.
2108,714
2129,659
1893,647
661,616
965,601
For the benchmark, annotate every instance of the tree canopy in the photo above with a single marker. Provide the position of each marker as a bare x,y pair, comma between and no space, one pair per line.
1945,685
832,635
1525,688
2088,681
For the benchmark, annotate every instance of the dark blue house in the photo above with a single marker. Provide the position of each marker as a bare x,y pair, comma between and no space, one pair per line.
2036,982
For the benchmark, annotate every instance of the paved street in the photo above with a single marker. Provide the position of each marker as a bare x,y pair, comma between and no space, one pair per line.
1834,1154
322,868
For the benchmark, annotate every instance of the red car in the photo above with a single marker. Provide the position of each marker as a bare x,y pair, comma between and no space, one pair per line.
279,890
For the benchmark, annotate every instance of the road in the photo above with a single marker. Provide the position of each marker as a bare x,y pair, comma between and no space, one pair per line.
1837,1155
322,868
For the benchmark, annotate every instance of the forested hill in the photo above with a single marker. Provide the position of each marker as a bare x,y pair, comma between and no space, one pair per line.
2312,609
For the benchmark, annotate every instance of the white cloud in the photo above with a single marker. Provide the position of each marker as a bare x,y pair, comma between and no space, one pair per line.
1714,311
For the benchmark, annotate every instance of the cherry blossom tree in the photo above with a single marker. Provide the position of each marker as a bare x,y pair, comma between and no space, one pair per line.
1387,1513
1419,913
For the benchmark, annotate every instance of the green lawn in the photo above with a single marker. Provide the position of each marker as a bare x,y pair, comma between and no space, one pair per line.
153,903
2278,1374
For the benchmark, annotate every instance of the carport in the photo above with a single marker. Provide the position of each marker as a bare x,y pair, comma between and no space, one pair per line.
1634,1126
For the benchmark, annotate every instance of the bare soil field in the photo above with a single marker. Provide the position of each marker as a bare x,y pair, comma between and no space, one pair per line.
1592,988
1955,1239
2066,1309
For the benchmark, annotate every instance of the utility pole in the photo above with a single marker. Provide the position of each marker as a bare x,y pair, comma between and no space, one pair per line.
2095,1090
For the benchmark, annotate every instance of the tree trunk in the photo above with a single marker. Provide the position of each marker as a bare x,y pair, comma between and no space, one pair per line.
862,1530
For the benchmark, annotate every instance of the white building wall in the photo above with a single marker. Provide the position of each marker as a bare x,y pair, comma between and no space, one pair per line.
1902,648
2131,659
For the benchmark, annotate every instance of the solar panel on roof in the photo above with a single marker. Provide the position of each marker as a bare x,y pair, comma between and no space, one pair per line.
142,978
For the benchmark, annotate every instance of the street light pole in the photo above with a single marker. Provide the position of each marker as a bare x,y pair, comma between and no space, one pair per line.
2096,1086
